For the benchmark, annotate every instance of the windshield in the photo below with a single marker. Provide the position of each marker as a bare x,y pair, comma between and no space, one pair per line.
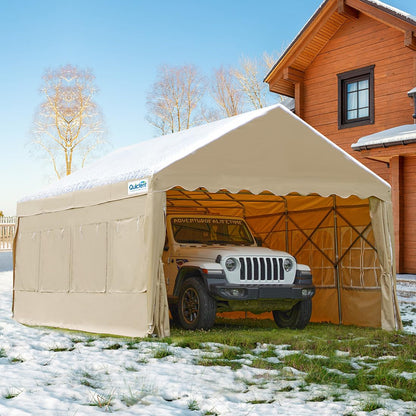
211,231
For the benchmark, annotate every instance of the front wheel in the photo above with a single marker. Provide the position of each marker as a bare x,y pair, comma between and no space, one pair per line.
196,308
295,318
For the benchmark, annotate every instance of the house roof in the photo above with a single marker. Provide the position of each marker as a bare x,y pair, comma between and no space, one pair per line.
321,27
397,135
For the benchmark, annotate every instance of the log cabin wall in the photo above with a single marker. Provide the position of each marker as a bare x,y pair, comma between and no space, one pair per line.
360,43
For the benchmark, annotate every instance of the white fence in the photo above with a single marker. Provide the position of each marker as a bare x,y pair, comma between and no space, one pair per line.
7,231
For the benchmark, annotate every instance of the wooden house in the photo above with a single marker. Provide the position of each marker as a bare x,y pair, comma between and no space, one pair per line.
352,73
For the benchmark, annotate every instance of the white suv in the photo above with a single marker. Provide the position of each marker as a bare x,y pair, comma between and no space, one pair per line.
214,264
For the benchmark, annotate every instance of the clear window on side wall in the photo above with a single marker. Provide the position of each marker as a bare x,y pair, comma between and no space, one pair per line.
356,97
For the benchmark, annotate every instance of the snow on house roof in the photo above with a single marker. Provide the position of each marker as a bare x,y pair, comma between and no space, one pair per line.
289,103
392,10
397,135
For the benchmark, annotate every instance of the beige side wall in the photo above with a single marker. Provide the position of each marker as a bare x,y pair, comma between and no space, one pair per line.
85,269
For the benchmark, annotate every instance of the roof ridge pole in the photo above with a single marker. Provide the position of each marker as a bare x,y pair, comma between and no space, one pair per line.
336,253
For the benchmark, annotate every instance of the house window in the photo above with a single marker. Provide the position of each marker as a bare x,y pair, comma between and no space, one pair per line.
356,97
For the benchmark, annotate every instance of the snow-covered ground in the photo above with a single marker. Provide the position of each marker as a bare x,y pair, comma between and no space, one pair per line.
51,373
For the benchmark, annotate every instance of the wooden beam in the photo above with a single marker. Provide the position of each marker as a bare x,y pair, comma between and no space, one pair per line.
347,11
410,40
396,166
293,75
299,99
381,14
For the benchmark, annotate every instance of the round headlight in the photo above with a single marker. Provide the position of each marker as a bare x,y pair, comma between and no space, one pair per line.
288,265
231,264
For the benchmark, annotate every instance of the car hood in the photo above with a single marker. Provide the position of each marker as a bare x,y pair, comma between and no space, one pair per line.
210,252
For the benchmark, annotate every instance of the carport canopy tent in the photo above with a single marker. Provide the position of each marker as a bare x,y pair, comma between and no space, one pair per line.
292,184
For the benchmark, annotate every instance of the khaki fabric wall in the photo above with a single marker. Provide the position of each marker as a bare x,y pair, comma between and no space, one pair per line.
88,268
333,235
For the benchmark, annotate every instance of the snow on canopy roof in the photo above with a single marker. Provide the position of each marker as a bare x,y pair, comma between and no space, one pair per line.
146,158
397,135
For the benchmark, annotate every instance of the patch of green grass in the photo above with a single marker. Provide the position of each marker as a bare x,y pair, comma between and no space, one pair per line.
269,353
318,399
230,353
193,405
337,397
16,360
77,340
142,360
286,389
132,398
132,344
189,343
11,394
402,394
400,364
371,405
161,352
262,401
210,413
3,353
213,361
115,346
130,368
103,401
265,365
61,349
88,383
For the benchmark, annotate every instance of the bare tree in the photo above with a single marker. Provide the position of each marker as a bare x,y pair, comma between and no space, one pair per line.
227,93
250,75
174,101
68,127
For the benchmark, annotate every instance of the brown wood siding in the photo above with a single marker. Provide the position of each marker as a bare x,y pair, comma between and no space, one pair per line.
408,220
358,44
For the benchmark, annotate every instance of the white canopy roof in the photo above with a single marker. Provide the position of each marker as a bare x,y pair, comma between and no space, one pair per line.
268,149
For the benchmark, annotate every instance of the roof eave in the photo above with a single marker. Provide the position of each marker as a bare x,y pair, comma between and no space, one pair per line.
390,16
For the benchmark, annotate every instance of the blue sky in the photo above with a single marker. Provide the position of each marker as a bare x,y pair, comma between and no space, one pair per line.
123,42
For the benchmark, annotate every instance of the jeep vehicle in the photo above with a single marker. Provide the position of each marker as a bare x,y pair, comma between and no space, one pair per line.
214,264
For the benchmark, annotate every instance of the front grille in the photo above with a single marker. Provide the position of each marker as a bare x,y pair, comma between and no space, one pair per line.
261,269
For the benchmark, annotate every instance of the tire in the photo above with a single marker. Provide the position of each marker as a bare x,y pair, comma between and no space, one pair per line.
296,318
196,308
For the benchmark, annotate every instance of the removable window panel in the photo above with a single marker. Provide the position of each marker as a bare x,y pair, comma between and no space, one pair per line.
128,253
54,260
89,258
27,264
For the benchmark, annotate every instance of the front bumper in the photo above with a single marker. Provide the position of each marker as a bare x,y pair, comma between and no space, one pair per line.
254,292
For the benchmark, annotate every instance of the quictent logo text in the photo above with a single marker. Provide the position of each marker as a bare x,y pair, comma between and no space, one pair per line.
140,186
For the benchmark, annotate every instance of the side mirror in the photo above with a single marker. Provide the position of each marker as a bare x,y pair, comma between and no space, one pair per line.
259,241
